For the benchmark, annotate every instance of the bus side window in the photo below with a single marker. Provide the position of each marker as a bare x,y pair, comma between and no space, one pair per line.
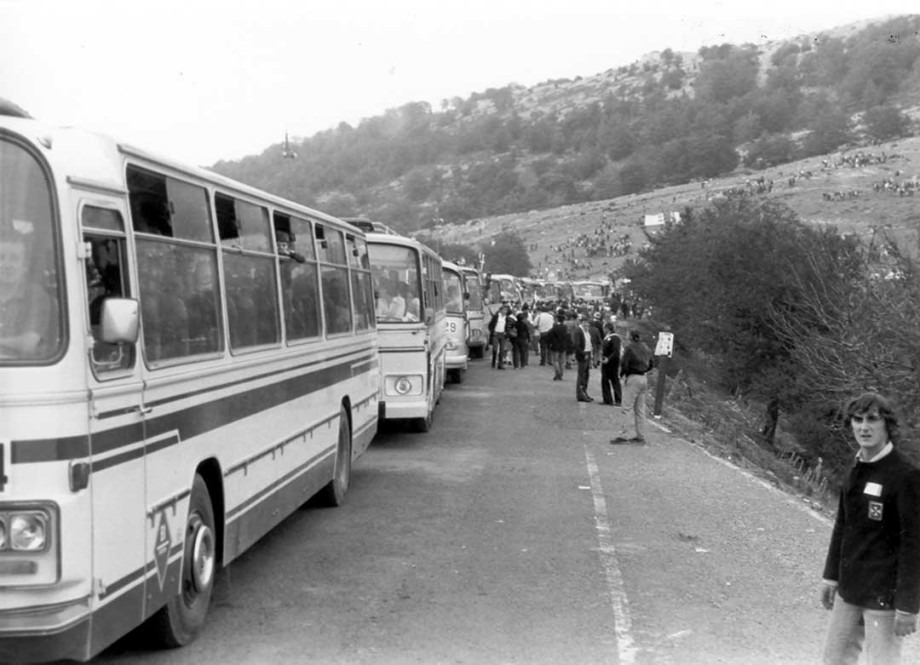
106,278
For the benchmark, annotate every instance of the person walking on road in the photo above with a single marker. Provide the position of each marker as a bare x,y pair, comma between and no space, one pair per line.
635,364
610,366
499,341
583,354
543,322
520,343
558,346
872,571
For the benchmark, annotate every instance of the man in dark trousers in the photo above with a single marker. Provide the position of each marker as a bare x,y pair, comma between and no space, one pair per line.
872,572
558,344
583,351
610,366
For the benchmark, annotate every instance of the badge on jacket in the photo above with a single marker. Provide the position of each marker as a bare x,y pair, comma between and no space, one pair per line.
875,511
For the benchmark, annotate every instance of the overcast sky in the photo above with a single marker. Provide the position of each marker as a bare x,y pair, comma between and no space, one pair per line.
202,80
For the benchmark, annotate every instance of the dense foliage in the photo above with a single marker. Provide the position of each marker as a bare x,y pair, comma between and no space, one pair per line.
666,121
798,317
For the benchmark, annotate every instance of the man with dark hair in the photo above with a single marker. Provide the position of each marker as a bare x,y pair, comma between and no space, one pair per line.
635,364
610,366
872,571
583,353
558,345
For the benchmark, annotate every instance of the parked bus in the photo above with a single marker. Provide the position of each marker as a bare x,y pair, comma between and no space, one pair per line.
456,327
410,325
475,313
175,379
502,287
590,291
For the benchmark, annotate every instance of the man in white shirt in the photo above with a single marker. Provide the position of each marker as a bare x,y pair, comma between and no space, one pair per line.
543,322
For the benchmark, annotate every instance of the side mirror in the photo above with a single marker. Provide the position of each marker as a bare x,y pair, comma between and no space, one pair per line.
429,316
466,295
119,321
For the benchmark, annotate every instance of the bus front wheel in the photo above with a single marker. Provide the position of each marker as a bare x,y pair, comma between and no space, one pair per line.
333,494
182,618
424,424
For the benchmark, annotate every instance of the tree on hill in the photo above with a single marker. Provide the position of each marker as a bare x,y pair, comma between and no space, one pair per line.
506,253
717,278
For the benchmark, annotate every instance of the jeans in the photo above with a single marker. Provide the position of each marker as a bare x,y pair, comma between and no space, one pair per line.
499,349
635,387
584,373
544,350
845,635
520,349
558,360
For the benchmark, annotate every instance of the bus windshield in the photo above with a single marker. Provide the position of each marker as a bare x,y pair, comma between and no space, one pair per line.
396,282
30,298
454,290
475,290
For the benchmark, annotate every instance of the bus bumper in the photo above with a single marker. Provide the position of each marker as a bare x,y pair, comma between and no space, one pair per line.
403,410
456,362
54,633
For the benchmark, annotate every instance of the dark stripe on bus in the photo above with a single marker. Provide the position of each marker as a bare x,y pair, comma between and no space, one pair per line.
259,496
189,423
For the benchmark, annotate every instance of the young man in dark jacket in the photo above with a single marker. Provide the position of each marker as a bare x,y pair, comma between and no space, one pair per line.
872,572
557,340
583,355
610,366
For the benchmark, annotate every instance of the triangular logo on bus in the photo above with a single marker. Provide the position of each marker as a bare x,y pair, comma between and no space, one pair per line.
161,549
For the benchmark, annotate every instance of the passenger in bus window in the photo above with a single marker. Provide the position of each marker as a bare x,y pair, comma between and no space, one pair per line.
385,300
163,313
25,308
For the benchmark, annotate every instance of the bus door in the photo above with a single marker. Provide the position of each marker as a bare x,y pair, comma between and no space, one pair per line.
116,427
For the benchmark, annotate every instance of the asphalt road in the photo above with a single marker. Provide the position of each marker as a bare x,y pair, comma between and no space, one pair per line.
513,532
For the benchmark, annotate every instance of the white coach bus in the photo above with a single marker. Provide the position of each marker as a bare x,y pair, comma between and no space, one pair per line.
175,379
410,324
456,326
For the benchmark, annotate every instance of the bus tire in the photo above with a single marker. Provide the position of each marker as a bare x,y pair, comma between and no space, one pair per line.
333,494
179,621
424,424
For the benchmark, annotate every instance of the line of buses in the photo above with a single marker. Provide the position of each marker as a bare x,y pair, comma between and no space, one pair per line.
504,287
184,361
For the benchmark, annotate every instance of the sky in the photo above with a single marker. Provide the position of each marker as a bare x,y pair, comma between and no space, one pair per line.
205,80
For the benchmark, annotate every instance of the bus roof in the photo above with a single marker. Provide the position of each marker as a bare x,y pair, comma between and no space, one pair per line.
97,160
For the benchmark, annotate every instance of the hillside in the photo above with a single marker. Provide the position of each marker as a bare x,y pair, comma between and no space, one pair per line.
840,191
666,119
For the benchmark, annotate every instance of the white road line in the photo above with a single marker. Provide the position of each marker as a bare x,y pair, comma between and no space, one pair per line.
622,624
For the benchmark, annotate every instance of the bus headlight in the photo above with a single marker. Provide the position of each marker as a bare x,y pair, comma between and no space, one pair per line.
30,547
406,384
28,532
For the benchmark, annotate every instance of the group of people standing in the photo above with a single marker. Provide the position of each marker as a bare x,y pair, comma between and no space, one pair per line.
586,339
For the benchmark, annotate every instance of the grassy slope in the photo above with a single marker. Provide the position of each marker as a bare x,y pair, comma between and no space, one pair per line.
897,215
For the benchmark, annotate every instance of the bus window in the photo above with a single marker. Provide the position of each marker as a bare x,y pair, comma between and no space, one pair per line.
106,277
334,273
30,301
299,280
361,286
176,266
249,272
